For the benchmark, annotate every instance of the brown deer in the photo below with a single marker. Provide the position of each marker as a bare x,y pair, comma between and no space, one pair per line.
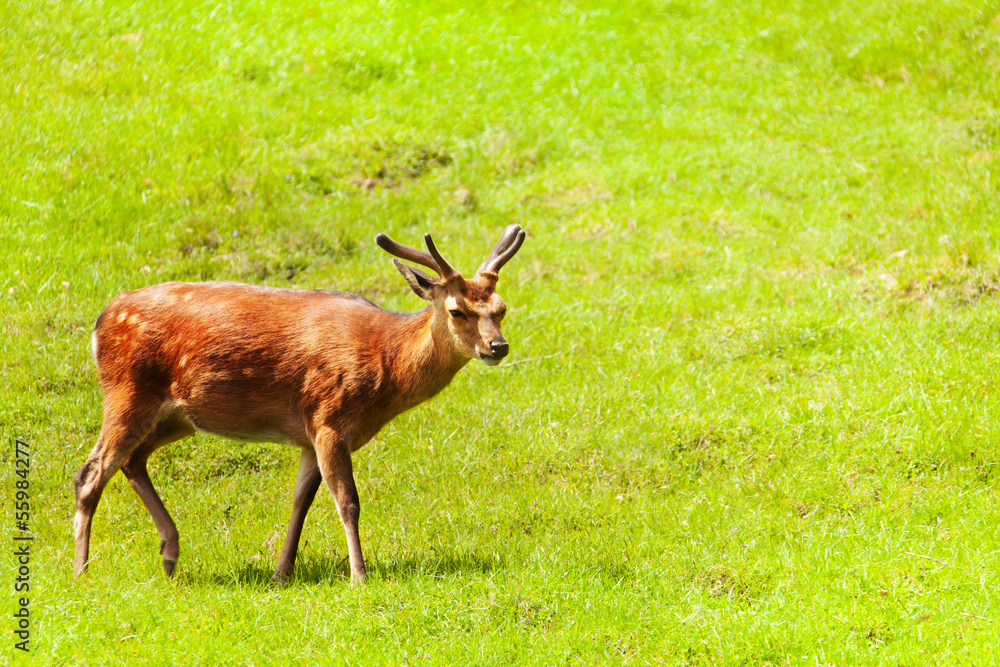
319,369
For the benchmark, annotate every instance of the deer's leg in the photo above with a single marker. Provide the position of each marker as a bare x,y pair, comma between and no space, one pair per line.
127,421
306,485
334,457
135,471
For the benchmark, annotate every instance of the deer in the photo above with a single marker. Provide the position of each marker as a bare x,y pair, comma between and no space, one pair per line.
318,369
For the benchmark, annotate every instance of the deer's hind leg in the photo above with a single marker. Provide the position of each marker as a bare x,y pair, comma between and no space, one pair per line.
166,431
128,420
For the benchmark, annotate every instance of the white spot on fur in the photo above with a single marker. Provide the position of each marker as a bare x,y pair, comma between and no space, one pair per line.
133,319
93,344
86,489
183,361
451,303
121,316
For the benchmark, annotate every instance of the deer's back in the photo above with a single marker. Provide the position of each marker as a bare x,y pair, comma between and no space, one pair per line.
240,360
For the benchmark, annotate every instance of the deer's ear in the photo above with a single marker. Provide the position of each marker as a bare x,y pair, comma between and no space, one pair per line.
421,283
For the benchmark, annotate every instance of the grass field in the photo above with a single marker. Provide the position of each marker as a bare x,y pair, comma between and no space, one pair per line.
752,412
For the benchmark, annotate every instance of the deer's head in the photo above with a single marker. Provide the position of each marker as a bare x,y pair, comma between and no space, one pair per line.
467,312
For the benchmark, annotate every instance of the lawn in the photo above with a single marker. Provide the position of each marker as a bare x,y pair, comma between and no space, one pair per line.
749,416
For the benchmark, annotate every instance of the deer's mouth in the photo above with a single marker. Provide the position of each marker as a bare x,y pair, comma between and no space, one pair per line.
489,359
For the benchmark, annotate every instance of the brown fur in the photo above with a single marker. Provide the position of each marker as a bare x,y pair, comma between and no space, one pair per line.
317,369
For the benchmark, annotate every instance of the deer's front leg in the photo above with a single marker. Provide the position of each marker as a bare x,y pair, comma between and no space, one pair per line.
306,486
334,457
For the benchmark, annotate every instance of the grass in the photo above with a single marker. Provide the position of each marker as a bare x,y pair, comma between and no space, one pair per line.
762,251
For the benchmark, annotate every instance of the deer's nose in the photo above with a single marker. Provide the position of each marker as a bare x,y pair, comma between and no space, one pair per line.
499,348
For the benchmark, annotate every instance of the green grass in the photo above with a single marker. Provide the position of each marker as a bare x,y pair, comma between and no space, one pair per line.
756,422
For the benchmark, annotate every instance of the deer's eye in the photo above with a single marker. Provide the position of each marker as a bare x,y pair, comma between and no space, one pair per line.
457,314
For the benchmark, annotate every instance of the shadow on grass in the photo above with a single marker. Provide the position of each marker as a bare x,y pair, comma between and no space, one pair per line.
325,569
428,565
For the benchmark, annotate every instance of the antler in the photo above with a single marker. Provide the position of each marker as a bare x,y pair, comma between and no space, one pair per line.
506,247
447,271
433,261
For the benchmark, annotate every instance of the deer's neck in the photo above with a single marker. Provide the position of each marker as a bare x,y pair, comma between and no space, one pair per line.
424,361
